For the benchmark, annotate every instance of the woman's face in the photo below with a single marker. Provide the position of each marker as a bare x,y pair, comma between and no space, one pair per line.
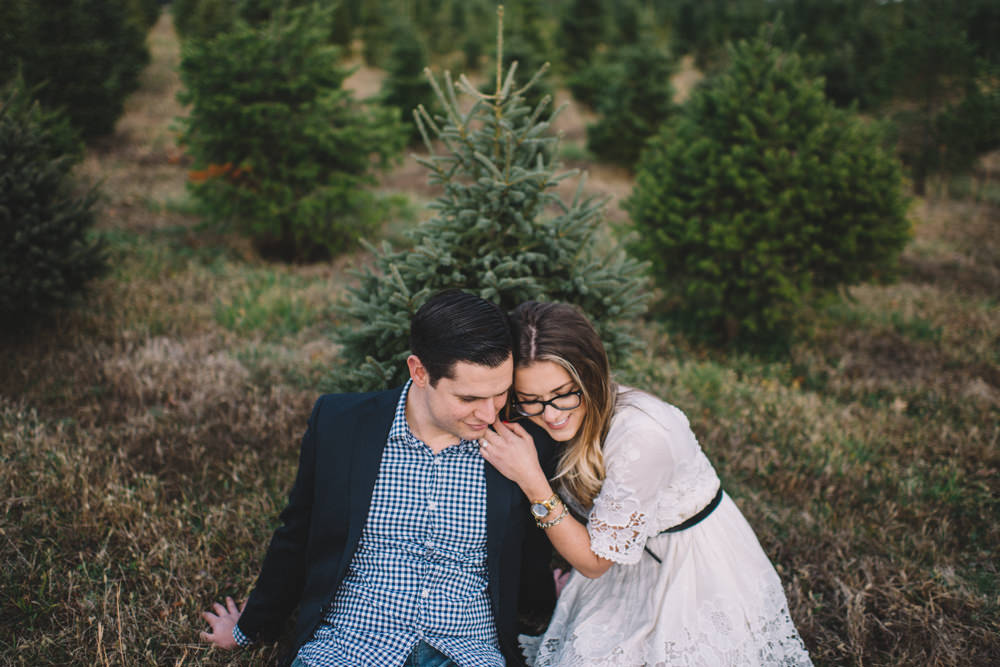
544,381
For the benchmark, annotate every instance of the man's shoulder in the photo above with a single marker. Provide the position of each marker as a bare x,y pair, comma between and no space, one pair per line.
328,404
539,434
544,445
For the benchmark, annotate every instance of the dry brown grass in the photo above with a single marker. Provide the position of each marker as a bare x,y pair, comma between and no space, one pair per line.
148,439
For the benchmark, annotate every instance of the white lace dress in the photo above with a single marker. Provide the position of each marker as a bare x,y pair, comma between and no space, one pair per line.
714,600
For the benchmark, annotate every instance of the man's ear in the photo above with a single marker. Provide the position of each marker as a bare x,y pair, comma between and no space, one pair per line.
417,371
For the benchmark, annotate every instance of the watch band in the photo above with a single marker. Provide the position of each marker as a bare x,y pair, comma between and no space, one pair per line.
548,524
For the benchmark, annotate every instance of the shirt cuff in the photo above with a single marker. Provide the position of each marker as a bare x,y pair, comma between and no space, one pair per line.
240,638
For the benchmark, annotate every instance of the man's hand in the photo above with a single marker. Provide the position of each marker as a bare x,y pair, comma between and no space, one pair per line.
222,623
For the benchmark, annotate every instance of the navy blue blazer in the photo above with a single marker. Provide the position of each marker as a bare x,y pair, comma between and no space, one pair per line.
328,507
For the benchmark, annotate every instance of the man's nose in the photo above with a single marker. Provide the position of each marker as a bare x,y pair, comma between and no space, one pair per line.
487,410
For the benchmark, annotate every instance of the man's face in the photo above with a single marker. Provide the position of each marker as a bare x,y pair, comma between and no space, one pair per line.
462,406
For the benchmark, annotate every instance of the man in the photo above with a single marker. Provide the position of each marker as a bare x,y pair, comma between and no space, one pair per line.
399,544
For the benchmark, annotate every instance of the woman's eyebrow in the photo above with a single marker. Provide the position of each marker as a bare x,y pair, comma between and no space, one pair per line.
558,390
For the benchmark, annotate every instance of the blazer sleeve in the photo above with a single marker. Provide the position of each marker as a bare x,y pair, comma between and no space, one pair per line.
282,576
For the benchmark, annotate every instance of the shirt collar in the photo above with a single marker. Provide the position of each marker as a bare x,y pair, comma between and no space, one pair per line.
400,430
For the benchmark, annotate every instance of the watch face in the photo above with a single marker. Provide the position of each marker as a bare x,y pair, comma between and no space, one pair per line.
539,510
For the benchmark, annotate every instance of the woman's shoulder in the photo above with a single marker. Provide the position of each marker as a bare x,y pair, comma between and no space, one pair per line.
637,407
641,413
648,429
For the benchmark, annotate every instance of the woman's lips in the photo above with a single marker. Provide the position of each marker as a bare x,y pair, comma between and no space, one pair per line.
558,425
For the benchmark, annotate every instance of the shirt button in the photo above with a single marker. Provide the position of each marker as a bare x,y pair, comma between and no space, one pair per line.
425,593
429,544
436,460
432,505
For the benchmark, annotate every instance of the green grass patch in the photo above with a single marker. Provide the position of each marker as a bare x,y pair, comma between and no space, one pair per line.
573,151
850,315
915,328
302,366
975,188
272,305
151,254
184,205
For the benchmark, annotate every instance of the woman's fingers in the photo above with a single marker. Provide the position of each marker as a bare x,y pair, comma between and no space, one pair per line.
517,429
502,427
489,438
499,436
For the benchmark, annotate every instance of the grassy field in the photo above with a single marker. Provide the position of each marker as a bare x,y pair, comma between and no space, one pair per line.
147,439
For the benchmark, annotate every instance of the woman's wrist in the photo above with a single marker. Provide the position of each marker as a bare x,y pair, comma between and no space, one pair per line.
537,488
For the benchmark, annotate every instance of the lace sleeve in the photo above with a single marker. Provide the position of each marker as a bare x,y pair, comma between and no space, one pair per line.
638,463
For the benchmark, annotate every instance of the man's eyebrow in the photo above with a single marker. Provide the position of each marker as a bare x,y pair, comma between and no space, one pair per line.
558,390
480,398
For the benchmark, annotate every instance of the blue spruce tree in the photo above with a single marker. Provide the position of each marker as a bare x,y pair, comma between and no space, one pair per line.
500,231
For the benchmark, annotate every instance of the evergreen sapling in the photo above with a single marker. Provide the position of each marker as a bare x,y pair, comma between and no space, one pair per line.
499,231
760,196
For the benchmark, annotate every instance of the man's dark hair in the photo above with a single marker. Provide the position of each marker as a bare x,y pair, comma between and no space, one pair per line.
456,326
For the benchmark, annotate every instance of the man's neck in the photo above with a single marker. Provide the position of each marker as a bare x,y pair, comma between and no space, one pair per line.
418,418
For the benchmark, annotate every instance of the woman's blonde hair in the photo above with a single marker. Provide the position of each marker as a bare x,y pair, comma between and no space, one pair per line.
559,333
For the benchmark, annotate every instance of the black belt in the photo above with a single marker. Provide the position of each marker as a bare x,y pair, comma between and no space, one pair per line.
697,518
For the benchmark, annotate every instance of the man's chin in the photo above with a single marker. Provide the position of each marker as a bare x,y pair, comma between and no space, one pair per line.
473,433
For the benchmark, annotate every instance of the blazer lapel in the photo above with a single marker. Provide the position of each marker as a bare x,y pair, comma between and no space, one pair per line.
369,434
499,498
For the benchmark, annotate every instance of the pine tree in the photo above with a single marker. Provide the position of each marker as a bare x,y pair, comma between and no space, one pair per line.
933,67
342,31
375,31
406,87
634,103
282,150
527,43
203,19
760,196
582,29
46,256
500,231
87,53
849,41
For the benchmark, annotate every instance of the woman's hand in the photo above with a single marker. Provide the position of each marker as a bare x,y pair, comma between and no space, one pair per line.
512,452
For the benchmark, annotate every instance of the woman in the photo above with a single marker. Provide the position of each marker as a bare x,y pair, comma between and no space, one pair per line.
666,571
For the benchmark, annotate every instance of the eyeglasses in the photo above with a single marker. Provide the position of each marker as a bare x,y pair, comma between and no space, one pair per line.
560,402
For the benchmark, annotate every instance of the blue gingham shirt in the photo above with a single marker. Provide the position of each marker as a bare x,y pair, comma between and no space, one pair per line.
419,573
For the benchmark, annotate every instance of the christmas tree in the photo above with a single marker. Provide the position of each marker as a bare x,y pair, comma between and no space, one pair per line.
283,153
633,103
47,254
406,87
760,196
500,231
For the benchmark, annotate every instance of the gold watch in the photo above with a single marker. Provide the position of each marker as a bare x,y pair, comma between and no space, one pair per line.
541,508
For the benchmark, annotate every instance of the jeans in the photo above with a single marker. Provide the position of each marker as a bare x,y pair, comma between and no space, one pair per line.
425,655
422,655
